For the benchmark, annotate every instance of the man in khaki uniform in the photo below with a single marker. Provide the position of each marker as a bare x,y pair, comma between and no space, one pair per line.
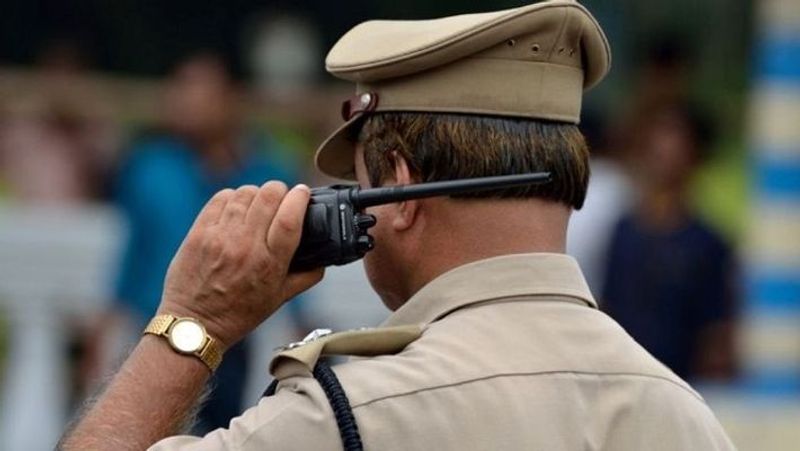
495,341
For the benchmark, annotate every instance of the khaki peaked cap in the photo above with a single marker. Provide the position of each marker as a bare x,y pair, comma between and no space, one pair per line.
529,62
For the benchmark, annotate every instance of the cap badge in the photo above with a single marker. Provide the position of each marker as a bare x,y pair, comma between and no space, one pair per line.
315,335
359,103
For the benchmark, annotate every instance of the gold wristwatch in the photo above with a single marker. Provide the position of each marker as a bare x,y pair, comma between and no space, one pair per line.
187,336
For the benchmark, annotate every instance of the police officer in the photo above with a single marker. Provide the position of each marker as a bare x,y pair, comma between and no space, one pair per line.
495,341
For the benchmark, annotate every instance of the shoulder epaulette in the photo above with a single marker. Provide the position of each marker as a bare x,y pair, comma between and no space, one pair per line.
300,358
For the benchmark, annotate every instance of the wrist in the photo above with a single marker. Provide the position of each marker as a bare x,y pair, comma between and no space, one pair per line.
163,352
187,336
215,327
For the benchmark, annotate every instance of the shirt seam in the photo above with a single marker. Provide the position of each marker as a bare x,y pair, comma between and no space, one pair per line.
513,298
533,373
561,297
414,311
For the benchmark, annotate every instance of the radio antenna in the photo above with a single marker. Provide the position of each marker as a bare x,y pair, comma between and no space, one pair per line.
377,196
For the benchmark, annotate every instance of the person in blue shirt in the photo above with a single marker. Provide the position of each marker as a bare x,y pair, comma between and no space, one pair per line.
670,278
161,188
168,177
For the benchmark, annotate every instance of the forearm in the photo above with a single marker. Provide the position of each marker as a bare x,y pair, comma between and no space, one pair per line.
148,399
229,275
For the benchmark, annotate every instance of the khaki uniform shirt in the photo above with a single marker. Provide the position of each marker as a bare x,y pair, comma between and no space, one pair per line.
514,355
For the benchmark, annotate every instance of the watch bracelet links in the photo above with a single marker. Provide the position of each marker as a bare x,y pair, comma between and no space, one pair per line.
159,325
210,354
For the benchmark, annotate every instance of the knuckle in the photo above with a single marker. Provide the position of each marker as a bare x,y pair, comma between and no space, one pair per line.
214,245
286,225
234,253
272,193
236,209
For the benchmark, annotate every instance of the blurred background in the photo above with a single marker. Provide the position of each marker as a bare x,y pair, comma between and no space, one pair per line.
118,120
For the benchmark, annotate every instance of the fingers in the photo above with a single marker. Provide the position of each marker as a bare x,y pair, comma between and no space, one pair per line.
212,211
236,208
297,283
264,207
284,233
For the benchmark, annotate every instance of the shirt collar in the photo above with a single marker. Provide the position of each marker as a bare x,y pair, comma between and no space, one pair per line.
495,278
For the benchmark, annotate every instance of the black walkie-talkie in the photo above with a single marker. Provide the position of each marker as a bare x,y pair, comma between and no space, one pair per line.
335,226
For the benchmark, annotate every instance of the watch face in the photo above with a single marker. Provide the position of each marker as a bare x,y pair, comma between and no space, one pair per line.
186,335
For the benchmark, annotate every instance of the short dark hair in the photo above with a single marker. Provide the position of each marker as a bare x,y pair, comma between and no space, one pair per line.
451,146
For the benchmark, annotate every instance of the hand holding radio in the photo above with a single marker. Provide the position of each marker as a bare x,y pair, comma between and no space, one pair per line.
251,249
231,272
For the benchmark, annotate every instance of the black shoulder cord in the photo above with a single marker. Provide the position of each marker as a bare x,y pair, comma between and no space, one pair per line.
348,429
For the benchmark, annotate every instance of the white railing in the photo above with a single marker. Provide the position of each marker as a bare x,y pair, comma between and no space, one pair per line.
56,262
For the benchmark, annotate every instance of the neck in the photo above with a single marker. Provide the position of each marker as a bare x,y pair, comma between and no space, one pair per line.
663,207
456,232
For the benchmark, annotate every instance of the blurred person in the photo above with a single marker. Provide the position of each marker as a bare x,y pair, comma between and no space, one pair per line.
495,341
608,197
670,277
56,142
165,181
662,78
42,158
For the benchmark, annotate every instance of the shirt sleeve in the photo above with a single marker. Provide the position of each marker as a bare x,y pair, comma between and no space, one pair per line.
298,417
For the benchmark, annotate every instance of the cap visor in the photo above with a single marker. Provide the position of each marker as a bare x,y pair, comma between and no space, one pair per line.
336,155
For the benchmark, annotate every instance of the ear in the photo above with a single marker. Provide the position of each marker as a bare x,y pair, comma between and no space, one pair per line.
406,212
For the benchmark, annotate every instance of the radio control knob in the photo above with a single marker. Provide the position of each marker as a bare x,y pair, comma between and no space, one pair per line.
365,243
365,221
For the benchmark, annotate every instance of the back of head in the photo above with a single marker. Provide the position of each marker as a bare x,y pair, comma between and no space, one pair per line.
472,95
466,96
454,146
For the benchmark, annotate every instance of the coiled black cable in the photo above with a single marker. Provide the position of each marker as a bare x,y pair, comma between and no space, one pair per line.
345,420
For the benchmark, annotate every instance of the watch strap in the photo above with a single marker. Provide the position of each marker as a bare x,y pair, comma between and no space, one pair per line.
211,354
159,325
211,351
